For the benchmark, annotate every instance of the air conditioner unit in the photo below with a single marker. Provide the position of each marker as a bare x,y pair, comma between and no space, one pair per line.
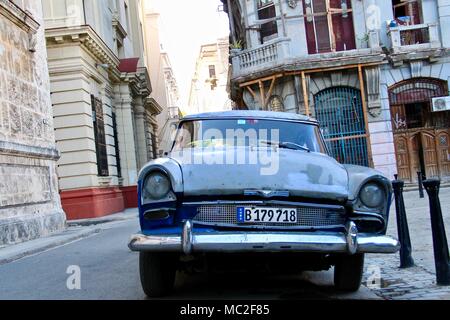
441,104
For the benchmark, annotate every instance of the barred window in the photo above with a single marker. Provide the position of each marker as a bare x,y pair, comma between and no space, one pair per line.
100,140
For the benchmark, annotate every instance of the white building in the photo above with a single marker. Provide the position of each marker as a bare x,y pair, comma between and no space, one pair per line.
368,70
208,91
165,92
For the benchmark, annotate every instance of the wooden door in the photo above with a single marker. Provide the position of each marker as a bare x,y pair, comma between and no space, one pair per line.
414,155
402,154
429,154
443,151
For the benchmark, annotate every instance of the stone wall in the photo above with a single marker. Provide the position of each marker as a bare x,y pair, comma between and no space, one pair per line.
29,200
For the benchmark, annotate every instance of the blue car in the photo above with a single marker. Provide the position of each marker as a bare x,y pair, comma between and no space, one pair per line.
257,189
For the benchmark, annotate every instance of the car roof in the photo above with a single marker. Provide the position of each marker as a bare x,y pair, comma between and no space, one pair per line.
251,113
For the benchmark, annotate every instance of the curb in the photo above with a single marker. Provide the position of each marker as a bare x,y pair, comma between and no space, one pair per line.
132,214
51,245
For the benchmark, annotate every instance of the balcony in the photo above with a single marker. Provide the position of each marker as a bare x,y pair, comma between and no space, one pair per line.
414,37
257,59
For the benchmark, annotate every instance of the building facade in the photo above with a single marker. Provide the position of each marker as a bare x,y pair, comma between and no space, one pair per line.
166,92
368,70
208,91
30,206
104,117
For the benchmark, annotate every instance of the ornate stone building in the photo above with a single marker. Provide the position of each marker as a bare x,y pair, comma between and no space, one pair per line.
105,118
368,70
29,201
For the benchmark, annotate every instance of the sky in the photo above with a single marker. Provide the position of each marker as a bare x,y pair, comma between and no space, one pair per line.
185,26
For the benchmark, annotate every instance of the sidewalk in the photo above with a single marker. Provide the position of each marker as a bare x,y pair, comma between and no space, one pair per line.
418,282
76,230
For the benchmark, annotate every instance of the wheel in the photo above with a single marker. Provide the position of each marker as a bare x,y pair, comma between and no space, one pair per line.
157,271
348,272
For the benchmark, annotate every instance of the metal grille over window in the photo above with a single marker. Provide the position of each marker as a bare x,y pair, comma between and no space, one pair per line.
340,113
99,133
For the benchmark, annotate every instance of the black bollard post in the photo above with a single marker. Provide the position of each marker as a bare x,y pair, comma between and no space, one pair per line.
420,182
440,244
406,260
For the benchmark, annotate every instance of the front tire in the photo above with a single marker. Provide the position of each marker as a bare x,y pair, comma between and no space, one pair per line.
157,271
348,272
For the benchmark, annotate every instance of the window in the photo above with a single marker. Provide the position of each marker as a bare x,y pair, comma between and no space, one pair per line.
266,10
99,134
329,25
116,144
212,71
127,17
407,11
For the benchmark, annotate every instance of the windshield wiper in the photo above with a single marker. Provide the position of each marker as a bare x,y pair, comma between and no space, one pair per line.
286,145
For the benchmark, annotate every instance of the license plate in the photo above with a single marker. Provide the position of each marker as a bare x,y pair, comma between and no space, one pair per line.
266,214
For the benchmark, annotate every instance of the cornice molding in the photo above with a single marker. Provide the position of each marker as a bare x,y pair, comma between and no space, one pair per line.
18,16
90,40
152,106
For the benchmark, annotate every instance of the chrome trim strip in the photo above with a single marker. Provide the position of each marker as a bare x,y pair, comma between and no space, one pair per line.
265,227
159,209
267,193
219,202
264,202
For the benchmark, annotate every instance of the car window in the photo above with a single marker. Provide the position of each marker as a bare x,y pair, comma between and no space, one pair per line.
247,132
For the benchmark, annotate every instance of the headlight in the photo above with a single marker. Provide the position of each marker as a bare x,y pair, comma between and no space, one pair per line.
372,195
157,185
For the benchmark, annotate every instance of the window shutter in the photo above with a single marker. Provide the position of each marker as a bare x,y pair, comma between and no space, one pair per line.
116,144
100,140
343,26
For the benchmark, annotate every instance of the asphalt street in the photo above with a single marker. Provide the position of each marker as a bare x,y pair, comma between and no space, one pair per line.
109,270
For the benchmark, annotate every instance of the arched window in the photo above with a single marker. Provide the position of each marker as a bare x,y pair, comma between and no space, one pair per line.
417,90
410,104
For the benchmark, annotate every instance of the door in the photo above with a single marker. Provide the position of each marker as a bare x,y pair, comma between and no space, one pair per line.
427,132
443,151
429,154
339,111
403,164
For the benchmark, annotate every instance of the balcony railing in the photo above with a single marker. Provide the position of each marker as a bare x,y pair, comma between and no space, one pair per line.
413,37
256,59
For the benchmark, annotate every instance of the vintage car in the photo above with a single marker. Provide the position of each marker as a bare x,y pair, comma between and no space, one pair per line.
202,208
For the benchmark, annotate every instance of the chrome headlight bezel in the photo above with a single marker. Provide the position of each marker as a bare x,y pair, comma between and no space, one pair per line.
372,195
159,179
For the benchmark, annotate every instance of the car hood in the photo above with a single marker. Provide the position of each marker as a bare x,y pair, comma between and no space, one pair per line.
305,174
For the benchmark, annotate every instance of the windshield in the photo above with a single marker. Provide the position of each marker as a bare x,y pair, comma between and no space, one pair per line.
216,133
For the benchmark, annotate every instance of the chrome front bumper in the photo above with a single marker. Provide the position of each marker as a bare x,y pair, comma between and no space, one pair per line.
327,242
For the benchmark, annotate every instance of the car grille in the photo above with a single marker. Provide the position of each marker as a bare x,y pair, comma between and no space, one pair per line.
307,217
